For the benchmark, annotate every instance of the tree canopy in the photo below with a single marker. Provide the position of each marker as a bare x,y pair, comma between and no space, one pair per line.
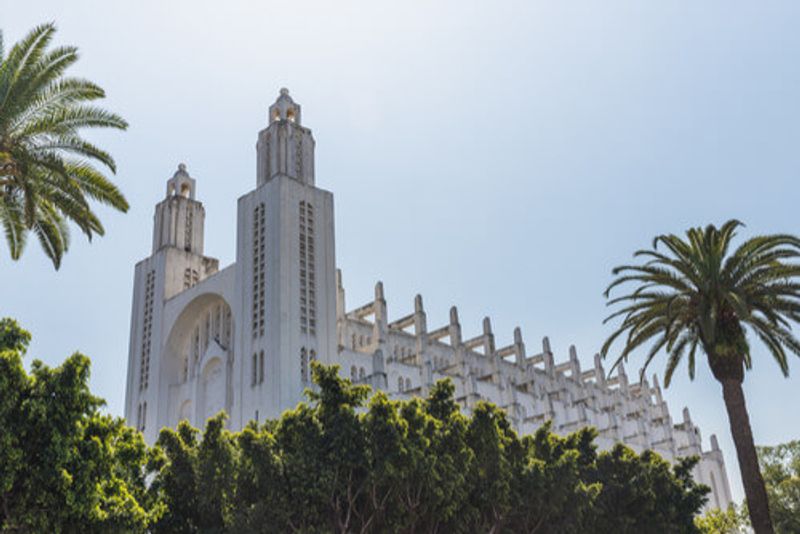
781,468
340,462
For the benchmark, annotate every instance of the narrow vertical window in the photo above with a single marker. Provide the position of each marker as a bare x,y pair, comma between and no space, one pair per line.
185,369
253,370
261,367
304,365
147,325
259,263
307,269
195,350
226,329
400,384
206,331
187,236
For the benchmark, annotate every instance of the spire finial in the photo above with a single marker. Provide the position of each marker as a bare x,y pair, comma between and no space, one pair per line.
284,91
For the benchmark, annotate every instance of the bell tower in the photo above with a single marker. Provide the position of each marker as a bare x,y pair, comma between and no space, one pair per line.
285,147
285,265
179,218
176,264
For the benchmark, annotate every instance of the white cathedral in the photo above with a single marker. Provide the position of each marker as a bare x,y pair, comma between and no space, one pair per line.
240,339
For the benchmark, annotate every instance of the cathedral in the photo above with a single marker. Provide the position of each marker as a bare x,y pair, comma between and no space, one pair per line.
241,338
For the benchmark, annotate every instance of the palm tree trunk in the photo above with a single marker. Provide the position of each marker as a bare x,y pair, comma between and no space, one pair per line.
754,490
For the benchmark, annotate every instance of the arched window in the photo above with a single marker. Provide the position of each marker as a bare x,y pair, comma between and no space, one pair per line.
354,342
290,115
400,384
408,384
261,367
353,373
304,365
361,374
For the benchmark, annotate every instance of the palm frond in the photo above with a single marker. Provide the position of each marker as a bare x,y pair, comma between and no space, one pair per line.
701,293
48,174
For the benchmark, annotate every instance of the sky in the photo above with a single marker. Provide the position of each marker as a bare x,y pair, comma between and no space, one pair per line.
499,156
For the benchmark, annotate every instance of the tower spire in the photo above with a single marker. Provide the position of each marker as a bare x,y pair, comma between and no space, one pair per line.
285,147
179,218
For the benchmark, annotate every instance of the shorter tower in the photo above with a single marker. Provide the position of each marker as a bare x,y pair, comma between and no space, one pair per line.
175,264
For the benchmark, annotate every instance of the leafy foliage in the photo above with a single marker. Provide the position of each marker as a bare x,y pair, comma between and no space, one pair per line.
730,521
781,468
65,467
47,171
340,462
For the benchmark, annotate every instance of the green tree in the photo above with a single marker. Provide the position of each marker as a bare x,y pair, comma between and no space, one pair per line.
437,490
716,521
195,479
698,294
331,464
644,494
260,492
47,171
551,493
65,467
781,468
491,478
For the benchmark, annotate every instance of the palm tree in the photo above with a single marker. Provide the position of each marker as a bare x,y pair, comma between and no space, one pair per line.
697,296
47,176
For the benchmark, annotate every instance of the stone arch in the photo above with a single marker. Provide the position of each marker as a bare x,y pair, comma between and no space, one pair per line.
210,352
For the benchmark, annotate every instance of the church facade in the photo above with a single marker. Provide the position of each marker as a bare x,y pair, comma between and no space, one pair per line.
241,338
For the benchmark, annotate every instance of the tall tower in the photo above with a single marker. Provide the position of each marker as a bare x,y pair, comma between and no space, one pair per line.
175,264
285,268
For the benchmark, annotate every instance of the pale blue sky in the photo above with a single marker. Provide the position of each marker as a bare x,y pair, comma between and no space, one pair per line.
494,155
